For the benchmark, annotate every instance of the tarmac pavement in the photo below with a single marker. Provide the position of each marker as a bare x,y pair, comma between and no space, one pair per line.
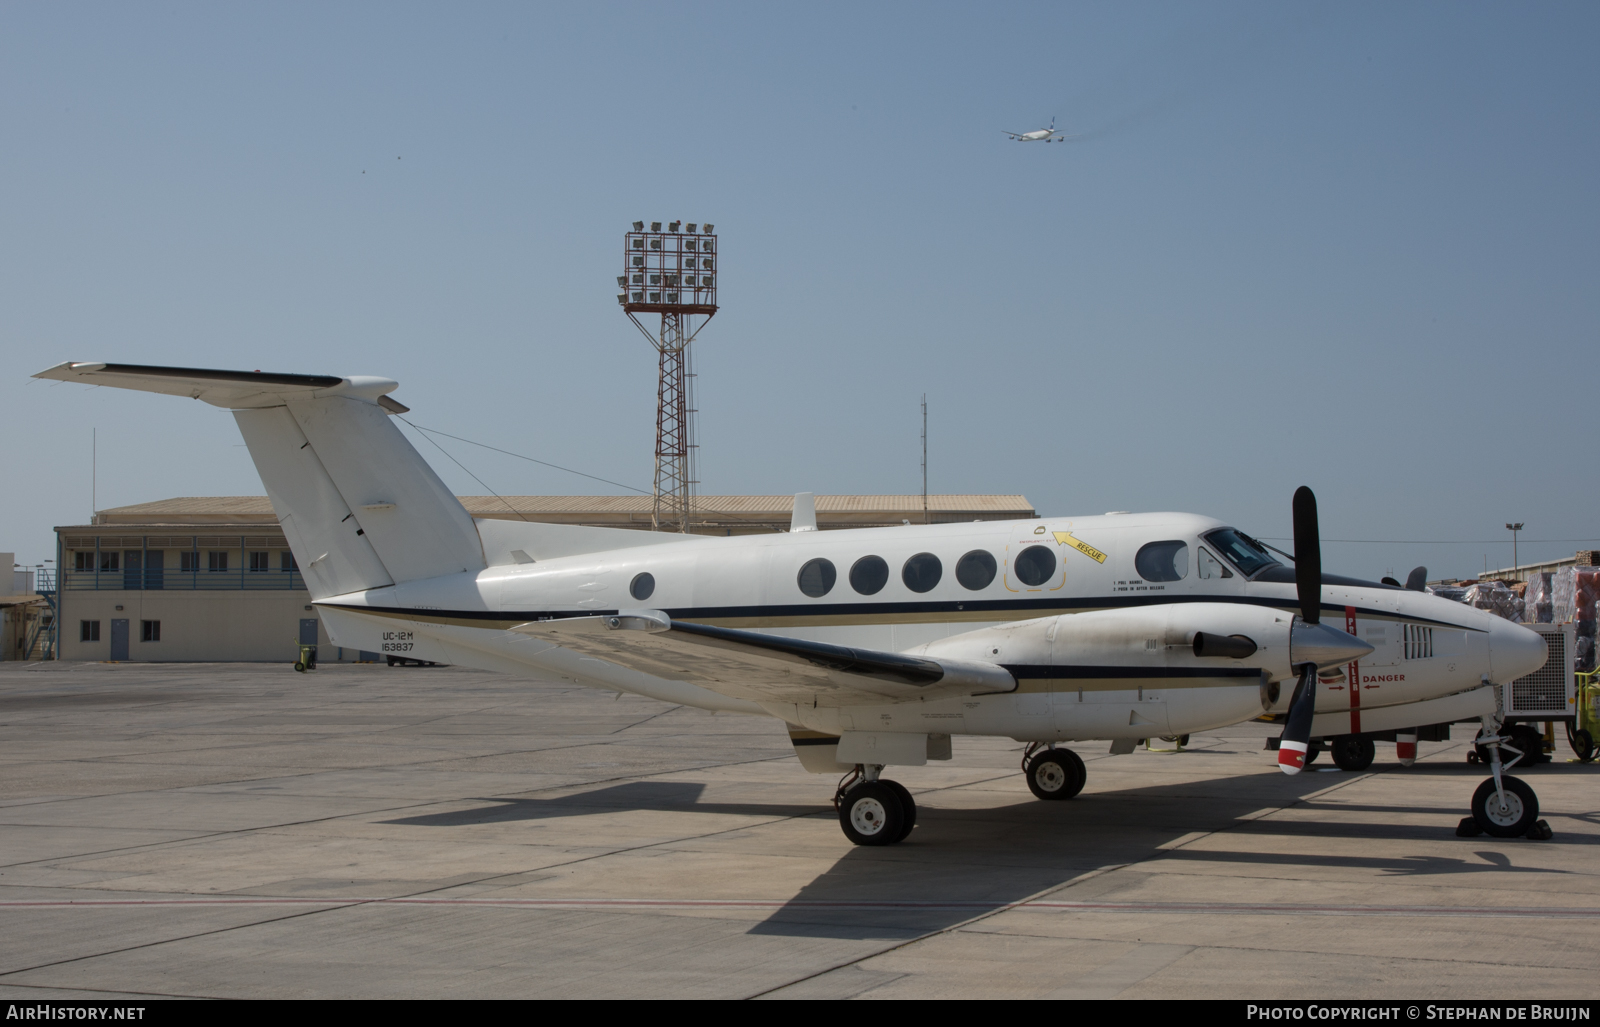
240,830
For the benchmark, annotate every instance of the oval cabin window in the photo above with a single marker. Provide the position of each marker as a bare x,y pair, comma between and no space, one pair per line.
817,578
922,572
642,586
869,575
976,570
1034,565
1163,561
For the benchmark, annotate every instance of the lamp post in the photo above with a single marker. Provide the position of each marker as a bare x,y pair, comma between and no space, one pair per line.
1514,528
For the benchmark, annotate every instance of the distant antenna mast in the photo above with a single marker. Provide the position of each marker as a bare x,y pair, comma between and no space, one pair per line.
924,458
94,474
671,273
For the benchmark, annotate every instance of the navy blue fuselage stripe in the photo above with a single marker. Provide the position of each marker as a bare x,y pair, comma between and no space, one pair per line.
1041,607
1025,671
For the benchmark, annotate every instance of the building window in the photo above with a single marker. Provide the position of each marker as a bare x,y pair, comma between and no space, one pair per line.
816,578
83,561
149,631
259,563
217,561
110,561
1034,566
88,631
189,561
286,562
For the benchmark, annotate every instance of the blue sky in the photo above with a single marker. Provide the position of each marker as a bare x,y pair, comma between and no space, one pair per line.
1346,245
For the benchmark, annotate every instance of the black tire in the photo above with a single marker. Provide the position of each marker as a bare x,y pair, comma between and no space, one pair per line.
870,814
1183,739
1513,822
1582,744
1531,741
1056,774
300,668
1353,752
908,807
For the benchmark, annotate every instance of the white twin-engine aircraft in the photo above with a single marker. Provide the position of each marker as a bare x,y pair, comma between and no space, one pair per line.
1040,135
873,645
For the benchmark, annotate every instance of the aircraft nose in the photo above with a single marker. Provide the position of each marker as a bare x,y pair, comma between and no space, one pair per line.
1514,651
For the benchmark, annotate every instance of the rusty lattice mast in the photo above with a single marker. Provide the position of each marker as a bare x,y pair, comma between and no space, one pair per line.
672,273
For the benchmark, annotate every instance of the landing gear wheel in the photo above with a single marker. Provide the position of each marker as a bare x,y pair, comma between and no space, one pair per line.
908,807
871,814
1512,820
1353,752
300,668
1056,774
1582,743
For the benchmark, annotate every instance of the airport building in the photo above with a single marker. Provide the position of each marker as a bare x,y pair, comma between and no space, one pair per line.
212,578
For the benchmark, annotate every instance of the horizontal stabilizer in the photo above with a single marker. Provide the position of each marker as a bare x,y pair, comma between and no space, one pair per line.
760,667
235,390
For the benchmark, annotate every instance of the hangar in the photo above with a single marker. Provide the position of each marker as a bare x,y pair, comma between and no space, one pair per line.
211,578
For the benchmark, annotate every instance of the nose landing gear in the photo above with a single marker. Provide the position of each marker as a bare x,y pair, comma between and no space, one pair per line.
1503,806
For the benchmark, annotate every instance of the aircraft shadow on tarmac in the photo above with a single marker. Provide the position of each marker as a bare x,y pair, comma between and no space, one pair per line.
963,862
664,796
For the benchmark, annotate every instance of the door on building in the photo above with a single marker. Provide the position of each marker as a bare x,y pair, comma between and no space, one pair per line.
308,631
119,637
155,565
132,569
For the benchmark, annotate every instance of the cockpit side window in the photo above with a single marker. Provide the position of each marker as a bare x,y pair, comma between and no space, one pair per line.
1210,566
1241,550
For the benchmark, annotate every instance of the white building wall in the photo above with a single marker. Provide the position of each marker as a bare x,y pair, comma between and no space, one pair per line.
196,626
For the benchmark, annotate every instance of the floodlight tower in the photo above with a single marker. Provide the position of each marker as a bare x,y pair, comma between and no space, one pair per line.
672,273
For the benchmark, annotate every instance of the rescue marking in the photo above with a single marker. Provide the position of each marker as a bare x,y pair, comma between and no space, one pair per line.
1065,538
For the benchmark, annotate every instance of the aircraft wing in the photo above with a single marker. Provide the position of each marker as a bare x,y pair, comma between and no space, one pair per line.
760,667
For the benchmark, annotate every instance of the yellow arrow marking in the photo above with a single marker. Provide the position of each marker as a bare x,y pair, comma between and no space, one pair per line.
1066,539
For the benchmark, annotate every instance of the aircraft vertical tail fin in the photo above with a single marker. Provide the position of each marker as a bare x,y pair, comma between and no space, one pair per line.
360,507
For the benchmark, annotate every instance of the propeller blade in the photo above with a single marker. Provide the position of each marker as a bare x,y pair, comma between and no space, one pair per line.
1297,728
1417,580
1307,556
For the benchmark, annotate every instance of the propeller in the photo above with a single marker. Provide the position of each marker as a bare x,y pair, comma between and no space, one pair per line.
1308,583
1417,580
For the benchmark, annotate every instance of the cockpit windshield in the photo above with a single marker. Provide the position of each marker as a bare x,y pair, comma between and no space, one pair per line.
1241,550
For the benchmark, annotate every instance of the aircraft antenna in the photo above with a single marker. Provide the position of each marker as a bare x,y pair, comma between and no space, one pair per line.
672,273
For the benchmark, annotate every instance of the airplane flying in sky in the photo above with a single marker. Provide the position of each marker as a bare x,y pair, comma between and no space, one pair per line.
1040,135
876,645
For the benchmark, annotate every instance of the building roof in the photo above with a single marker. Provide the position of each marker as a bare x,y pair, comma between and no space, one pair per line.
712,513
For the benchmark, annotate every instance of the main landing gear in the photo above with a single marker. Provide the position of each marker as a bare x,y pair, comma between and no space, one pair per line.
1053,773
874,810
1503,806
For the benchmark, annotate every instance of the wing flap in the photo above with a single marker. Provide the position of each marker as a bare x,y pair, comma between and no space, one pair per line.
760,667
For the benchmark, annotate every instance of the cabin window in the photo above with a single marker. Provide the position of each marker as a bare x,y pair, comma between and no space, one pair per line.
976,569
1034,565
869,574
922,572
817,577
1210,566
1163,561
642,586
